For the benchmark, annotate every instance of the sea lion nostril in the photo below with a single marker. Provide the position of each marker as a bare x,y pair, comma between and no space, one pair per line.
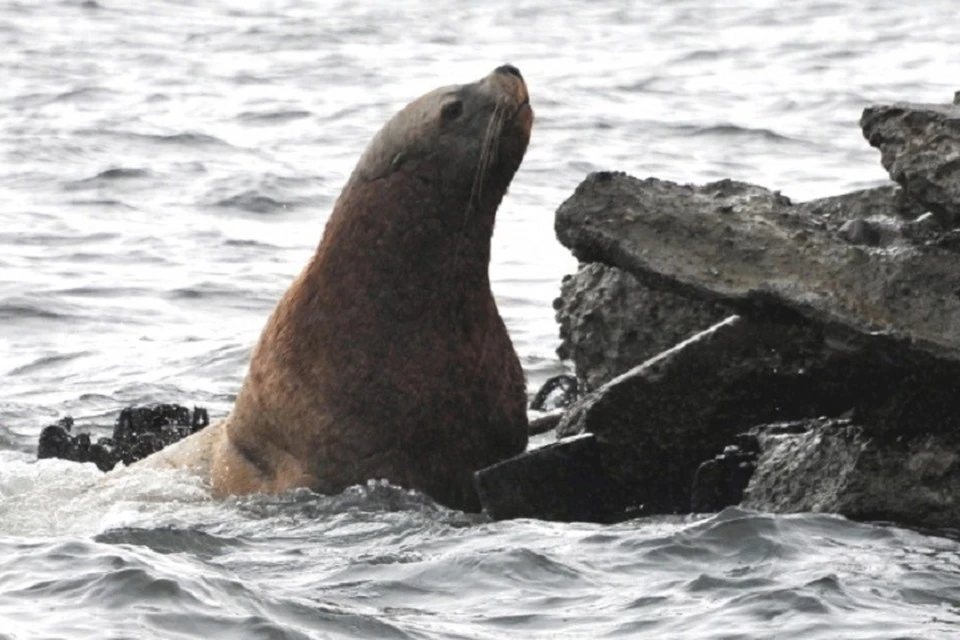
510,69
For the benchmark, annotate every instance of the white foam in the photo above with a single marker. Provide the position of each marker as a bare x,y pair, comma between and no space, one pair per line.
56,497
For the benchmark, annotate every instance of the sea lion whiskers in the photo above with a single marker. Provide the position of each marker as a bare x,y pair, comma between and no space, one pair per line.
487,153
487,157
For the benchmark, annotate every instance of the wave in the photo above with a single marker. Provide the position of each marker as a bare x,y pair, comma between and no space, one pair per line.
44,362
32,309
190,139
273,117
729,130
107,176
253,201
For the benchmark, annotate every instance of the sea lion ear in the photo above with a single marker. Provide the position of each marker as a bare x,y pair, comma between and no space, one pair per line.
397,161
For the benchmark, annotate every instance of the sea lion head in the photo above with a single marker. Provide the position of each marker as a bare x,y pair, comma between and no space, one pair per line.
465,139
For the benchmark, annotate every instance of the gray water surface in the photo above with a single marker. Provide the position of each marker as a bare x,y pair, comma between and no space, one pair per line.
166,168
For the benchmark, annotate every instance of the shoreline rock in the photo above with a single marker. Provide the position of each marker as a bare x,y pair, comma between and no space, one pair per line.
832,389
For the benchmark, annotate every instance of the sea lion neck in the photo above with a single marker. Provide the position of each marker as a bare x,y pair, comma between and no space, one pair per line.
408,245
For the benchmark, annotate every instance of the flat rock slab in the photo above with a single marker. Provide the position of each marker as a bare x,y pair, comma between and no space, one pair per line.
920,149
745,245
563,481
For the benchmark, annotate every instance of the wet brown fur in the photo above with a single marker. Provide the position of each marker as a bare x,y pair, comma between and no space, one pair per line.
387,357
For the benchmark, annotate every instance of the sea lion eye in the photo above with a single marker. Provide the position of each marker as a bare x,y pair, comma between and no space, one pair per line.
451,110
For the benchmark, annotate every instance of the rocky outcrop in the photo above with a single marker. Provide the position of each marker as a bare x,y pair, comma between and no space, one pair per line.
657,423
610,321
846,339
662,419
920,149
747,246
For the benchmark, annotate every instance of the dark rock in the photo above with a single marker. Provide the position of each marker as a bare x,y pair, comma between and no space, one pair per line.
889,201
826,329
720,482
745,246
137,433
610,322
558,392
920,149
56,441
563,481
544,423
833,466
663,418
859,231
142,431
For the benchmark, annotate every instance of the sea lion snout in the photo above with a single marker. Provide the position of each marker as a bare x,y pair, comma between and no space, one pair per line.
508,82
509,69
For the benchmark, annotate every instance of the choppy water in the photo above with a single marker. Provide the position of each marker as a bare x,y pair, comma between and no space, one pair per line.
165,170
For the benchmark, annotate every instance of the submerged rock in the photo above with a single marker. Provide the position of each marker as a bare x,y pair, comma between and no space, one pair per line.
920,149
562,481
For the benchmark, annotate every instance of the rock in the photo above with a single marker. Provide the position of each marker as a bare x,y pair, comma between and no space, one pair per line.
562,481
745,246
659,421
833,466
875,204
860,231
920,149
720,481
558,392
138,432
610,322
56,441
544,423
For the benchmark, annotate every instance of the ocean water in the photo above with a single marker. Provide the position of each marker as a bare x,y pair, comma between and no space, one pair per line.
166,169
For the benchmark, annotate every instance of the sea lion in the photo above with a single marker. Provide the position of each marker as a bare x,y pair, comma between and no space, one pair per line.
387,356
